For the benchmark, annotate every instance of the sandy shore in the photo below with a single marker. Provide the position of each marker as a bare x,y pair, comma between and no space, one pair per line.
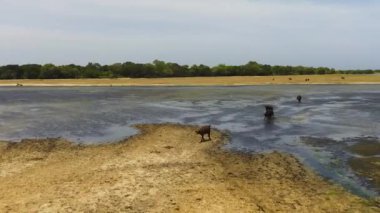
202,81
164,169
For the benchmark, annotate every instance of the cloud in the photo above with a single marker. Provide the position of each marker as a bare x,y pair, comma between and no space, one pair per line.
317,33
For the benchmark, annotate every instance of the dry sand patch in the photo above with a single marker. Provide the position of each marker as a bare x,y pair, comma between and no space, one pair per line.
163,169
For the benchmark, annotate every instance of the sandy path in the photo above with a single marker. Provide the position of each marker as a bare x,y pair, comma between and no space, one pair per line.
165,169
201,81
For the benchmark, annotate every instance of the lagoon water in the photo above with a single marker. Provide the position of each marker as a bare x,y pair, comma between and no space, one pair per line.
317,131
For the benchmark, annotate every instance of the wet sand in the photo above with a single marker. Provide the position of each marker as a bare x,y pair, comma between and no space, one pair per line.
201,81
163,169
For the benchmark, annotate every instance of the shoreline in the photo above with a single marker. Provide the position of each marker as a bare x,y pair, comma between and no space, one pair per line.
200,81
164,168
181,85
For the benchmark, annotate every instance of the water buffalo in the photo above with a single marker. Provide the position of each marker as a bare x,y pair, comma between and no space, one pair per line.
203,131
299,98
268,112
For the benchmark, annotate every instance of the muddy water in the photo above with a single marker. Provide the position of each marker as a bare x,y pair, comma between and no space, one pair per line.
318,131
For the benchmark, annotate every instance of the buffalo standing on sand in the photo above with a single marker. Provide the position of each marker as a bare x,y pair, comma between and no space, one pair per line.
203,131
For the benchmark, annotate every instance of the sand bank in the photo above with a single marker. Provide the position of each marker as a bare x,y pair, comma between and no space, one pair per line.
201,81
163,169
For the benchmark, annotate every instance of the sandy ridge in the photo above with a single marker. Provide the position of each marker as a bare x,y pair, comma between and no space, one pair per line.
201,81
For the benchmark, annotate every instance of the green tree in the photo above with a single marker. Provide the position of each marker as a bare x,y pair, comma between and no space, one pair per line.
50,71
251,68
10,72
31,71
162,68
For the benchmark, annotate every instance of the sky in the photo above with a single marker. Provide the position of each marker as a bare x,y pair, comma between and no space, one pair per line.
342,34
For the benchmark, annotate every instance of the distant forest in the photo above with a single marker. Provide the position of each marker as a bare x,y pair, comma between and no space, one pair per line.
159,69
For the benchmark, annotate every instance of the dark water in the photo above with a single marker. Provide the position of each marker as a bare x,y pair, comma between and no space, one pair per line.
316,131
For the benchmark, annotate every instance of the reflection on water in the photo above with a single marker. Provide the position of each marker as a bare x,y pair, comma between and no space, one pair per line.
98,114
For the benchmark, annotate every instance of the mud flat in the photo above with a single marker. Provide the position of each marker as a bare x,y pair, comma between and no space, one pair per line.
366,161
163,169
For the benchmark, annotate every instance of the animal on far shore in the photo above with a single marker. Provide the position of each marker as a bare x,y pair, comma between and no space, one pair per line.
299,98
204,130
269,112
290,79
343,78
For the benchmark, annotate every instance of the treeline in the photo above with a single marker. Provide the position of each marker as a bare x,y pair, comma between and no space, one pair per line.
158,69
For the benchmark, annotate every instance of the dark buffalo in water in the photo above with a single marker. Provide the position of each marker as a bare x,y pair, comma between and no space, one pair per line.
268,112
203,131
299,98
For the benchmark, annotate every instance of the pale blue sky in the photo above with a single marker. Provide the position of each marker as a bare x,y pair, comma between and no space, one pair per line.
334,33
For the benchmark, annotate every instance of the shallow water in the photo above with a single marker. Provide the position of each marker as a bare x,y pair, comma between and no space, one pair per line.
329,118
